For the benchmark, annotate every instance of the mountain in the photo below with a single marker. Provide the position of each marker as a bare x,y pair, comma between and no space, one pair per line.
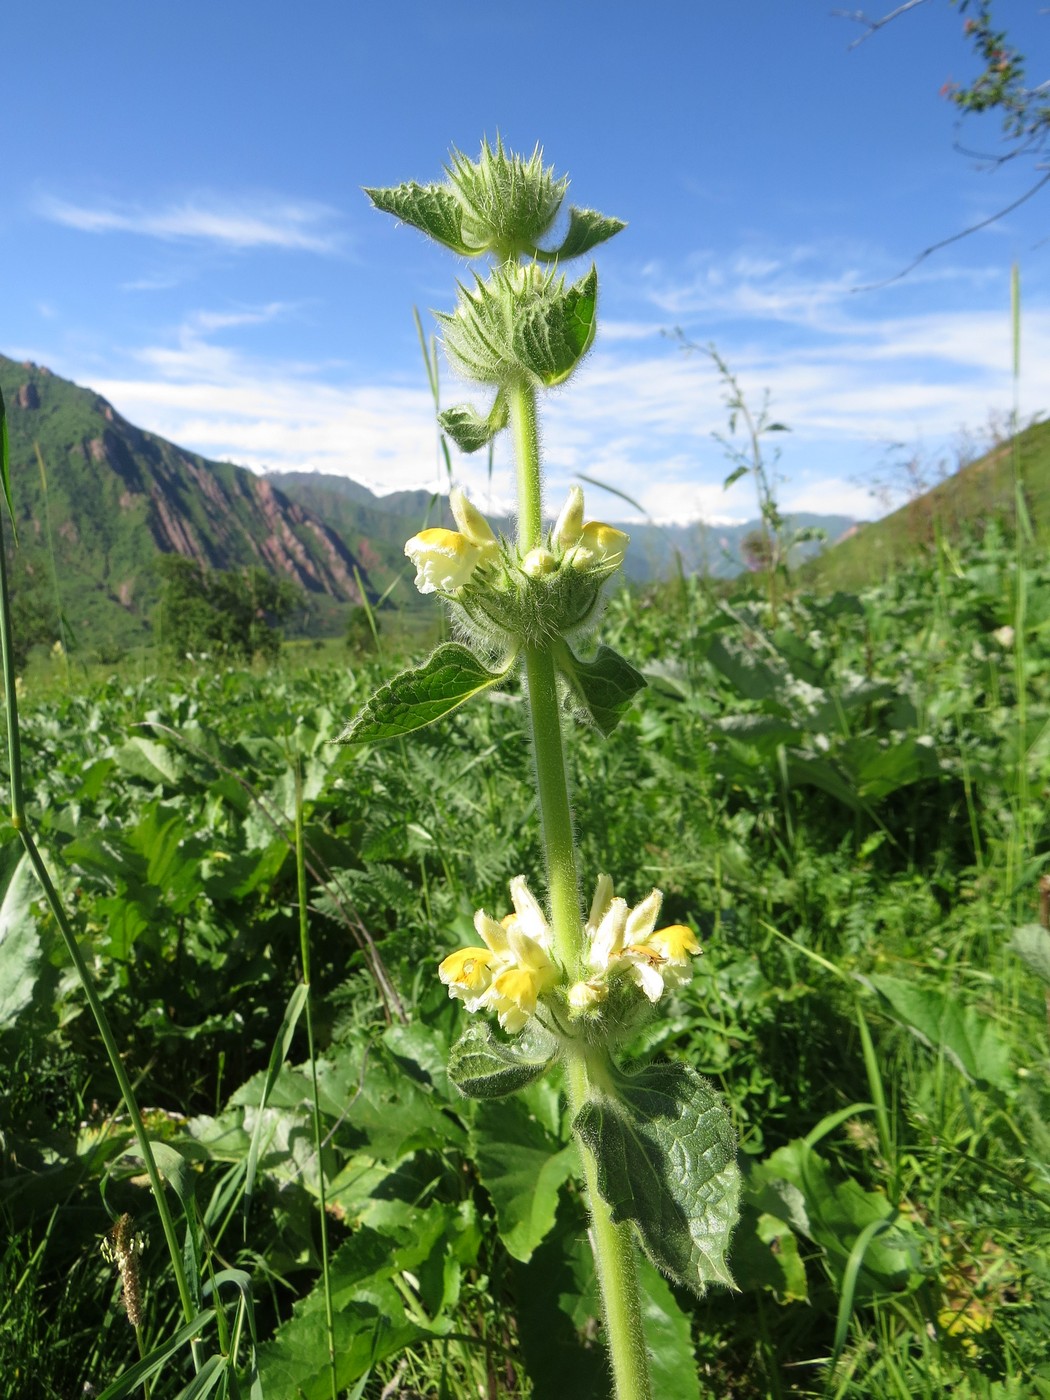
110,498
657,551
959,507
106,499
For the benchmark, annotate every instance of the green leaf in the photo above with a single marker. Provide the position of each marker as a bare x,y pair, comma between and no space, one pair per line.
468,430
278,1055
796,1186
522,1167
1031,943
668,1337
433,209
22,959
605,686
965,1035
666,1158
416,698
587,228
484,1067
552,333
153,1361
765,1255
156,763
734,476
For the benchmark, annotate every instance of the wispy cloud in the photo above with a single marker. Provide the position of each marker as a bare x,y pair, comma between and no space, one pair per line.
640,415
248,222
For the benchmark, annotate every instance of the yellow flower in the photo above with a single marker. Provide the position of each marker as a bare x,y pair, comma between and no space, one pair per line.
513,970
446,559
599,547
624,939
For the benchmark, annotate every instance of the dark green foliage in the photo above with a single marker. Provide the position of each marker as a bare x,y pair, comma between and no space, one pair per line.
846,806
229,615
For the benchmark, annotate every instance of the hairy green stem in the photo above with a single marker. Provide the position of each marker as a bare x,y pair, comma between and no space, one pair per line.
613,1245
105,1031
615,1259
553,781
524,427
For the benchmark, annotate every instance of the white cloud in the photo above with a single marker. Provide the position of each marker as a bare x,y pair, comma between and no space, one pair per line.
248,222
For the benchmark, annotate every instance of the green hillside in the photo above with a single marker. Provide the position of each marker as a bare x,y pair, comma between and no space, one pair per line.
112,498
959,507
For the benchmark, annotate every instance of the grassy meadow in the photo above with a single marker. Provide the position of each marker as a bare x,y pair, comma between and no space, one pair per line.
846,797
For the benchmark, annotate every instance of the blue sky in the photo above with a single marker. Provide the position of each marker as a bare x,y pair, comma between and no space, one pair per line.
184,229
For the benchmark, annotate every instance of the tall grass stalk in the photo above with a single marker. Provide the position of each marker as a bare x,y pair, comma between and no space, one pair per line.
69,938
304,953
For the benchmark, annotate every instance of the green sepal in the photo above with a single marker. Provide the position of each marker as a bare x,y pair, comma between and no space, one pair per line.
553,332
587,228
416,698
484,1067
468,430
666,1157
433,209
605,686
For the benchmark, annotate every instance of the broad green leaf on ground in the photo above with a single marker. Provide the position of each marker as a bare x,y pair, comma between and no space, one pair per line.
145,758
797,1187
416,698
753,677
765,1255
668,1337
483,1066
522,1167
605,686
433,209
666,1159
559,1320
370,1321
1031,943
967,1036
22,959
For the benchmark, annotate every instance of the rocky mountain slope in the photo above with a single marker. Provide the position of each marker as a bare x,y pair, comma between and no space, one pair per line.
112,497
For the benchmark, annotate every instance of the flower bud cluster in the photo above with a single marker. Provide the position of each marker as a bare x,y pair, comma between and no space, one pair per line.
552,591
513,973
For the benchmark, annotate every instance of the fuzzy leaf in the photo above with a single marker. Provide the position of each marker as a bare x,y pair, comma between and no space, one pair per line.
418,697
605,686
553,333
433,209
484,1067
1031,943
468,430
666,1159
587,228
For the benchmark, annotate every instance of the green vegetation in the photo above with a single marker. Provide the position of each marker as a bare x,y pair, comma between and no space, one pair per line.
211,612
977,498
850,810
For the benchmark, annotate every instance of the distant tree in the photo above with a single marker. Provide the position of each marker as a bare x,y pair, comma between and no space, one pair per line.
32,609
1001,86
360,637
231,614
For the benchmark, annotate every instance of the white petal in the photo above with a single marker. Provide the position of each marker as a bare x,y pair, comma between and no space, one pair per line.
531,916
603,893
608,937
642,919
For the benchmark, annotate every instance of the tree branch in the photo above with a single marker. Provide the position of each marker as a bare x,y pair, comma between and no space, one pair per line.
963,233
872,26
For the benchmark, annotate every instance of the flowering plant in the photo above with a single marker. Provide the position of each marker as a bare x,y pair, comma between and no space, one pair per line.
656,1146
